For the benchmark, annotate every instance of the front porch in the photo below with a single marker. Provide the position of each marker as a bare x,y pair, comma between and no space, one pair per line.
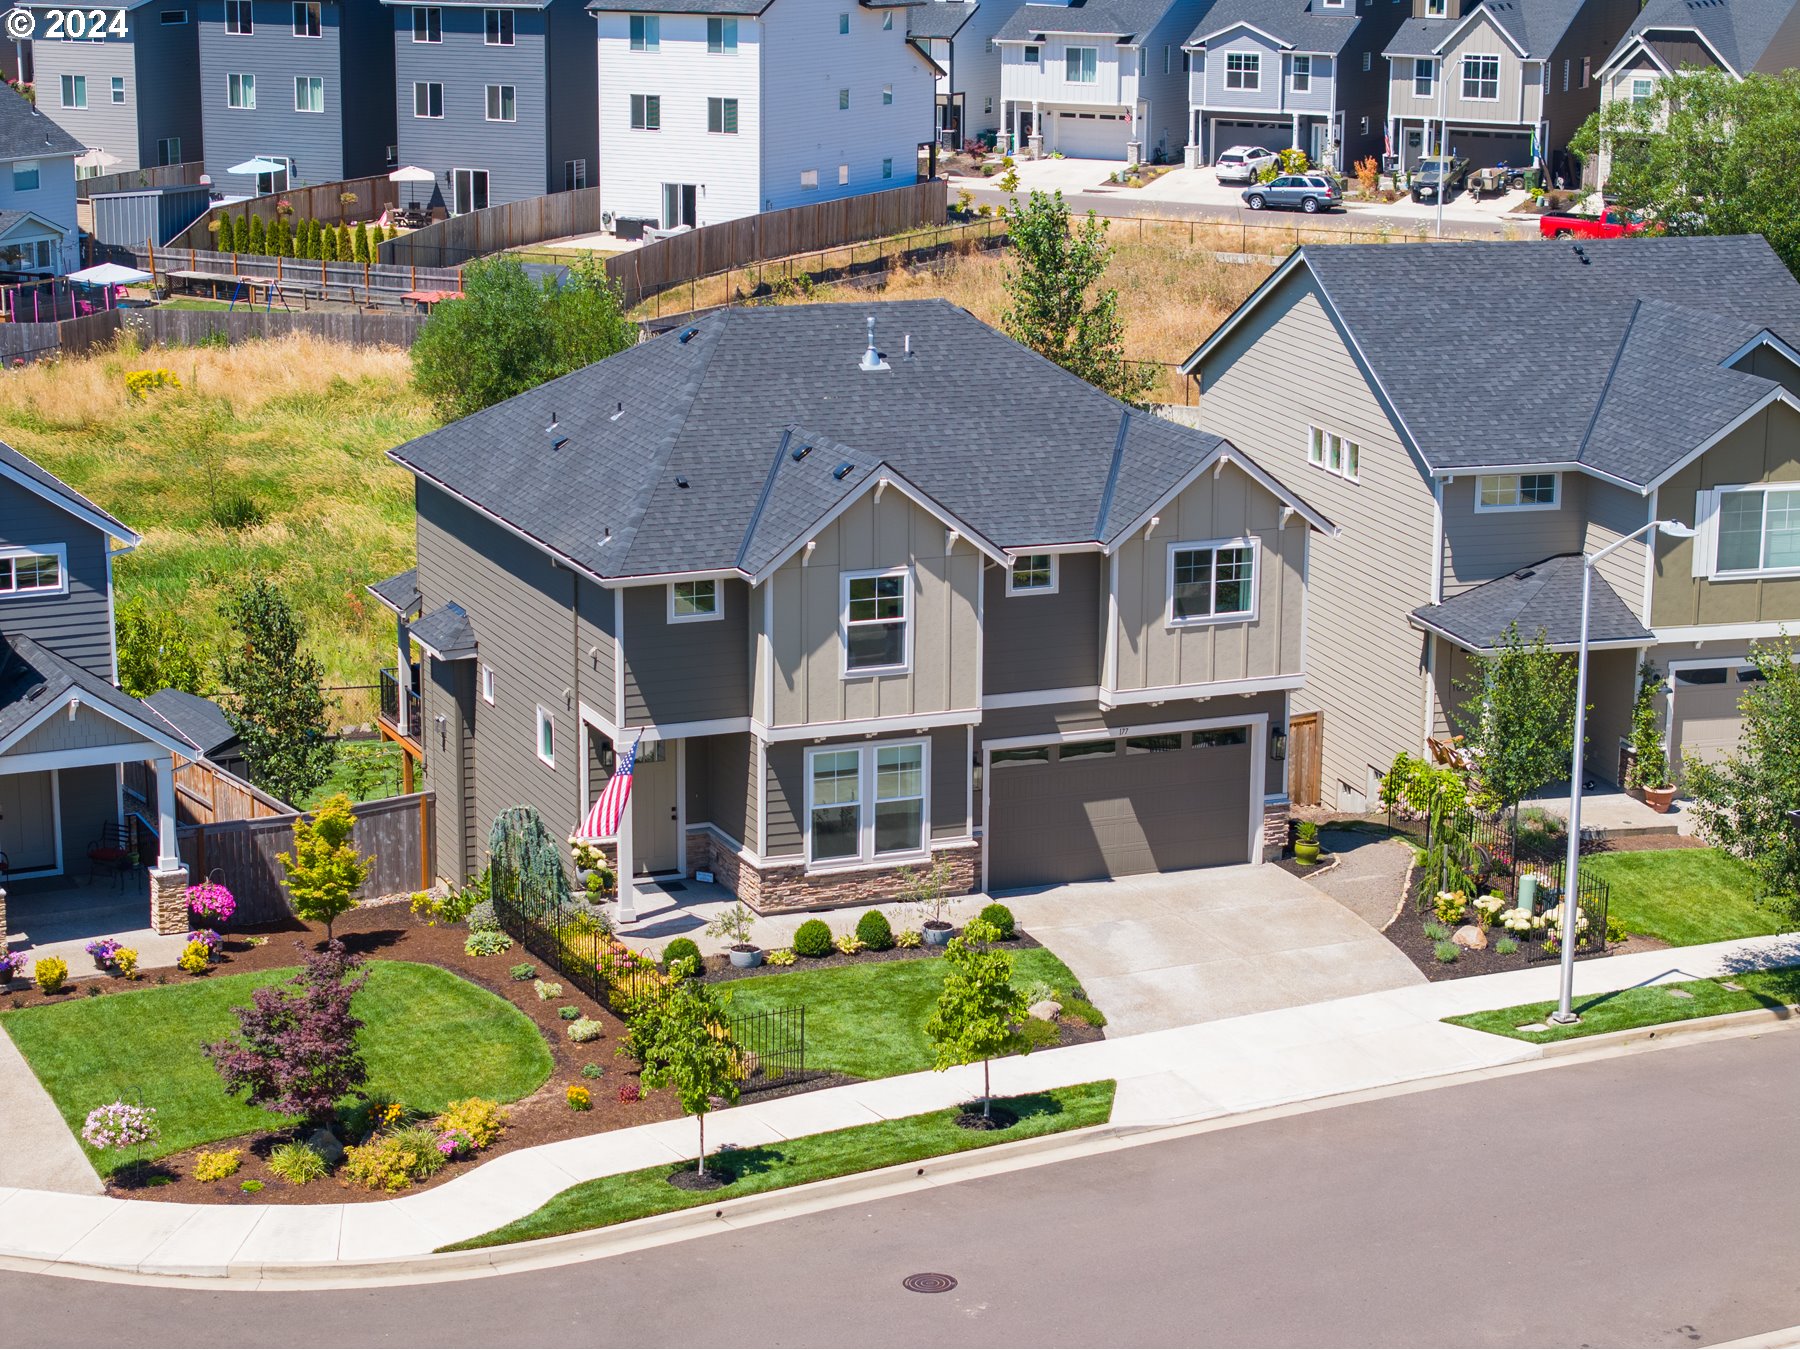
59,918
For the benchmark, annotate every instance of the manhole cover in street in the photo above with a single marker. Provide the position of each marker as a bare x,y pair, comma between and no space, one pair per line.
929,1284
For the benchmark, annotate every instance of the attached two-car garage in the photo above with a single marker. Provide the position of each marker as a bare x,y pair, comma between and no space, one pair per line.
1092,135
1085,809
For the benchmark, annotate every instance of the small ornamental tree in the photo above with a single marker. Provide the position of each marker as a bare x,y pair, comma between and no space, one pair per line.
684,1044
259,236
345,249
273,695
359,244
296,1053
980,1012
324,872
1519,718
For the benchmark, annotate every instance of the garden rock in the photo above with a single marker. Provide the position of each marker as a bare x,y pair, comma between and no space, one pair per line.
1471,936
327,1145
1047,1010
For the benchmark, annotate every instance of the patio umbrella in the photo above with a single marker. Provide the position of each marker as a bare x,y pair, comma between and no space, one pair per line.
259,165
96,159
412,173
109,274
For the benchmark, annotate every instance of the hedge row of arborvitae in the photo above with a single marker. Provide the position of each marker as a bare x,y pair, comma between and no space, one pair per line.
308,239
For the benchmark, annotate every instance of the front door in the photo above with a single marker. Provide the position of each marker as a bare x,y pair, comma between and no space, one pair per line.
28,822
654,824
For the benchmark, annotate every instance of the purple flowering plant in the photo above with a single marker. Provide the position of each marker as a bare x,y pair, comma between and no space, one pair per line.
103,950
119,1125
210,938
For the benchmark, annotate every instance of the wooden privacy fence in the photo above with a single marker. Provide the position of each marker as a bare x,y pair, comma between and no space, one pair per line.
398,832
189,327
159,175
35,341
204,793
352,282
476,234
322,201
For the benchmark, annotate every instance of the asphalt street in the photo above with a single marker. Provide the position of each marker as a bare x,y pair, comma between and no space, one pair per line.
1646,1200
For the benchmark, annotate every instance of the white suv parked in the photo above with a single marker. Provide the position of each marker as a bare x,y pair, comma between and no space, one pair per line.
1242,163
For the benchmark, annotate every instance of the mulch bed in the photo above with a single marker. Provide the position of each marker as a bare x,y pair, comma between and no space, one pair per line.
1407,932
717,969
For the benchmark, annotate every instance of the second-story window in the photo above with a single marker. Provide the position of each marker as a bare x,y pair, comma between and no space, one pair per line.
240,91
843,100
27,571
238,18
875,622
1516,492
646,33
1081,65
1243,70
309,93
499,28
25,175
1302,74
502,103
1333,453
1643,89
722,116
306,18
721,35
74,91
1032,574
1437,9
1481,78
1424,77
1034,55
646,112
428,99
428,23
691,601
1212,581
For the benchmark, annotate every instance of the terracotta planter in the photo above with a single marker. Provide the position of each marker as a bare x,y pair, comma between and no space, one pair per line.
1306,854
1660,799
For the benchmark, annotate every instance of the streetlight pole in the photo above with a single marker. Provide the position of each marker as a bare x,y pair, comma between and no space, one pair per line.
1565,1012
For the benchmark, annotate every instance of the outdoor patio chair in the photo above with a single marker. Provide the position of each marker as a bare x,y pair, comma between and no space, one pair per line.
111,854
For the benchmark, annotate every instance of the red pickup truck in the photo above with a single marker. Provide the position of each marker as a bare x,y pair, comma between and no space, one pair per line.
1609,224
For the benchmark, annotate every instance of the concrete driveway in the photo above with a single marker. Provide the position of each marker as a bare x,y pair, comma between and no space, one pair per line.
1155,952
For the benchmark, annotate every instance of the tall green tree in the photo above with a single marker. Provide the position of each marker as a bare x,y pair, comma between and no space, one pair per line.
980,1012
1707,153
274,694
684,1044
1742,802
157,651
1056,304
1518,718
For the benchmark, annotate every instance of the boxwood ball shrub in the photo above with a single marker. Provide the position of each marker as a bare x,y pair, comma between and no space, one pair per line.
813,939
681,949
1001,917
875,931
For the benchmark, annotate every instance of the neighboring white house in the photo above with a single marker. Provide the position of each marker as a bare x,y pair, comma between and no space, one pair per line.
715,109
1103,79
38,233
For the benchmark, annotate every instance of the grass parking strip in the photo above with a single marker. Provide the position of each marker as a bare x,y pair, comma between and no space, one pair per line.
818,1157
1645,1005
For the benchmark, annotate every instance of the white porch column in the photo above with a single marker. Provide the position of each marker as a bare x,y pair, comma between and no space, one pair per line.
402,678
168,858
627,891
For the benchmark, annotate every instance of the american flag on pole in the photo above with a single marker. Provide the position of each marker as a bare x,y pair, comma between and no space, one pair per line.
603,820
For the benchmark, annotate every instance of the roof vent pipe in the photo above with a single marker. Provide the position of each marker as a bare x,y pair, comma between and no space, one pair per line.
872,358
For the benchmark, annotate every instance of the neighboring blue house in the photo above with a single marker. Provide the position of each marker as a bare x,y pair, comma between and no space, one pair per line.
132,91
38,234
308,84
497,100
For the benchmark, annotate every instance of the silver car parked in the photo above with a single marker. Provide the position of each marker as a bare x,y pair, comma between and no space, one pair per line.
1243,163
1310,192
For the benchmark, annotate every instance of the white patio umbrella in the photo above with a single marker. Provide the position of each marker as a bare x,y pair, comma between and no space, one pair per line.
259,165
96,158
412,173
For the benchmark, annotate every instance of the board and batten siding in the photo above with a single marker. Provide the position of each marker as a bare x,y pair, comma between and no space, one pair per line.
1229,505
1051,641
685,672
808,644
1363,657
1521,100
77,623
786,788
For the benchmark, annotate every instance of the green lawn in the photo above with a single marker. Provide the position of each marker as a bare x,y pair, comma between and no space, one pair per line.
862,1148
1644,1006
869,1019
1684,896
364,771
430,1038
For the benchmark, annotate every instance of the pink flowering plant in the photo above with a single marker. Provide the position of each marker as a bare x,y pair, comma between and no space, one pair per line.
455,1143
210,900
119,1125
11,963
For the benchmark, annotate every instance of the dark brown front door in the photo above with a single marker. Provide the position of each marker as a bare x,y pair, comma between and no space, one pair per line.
1305,755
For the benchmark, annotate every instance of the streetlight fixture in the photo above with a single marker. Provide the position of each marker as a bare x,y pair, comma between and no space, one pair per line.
1571,897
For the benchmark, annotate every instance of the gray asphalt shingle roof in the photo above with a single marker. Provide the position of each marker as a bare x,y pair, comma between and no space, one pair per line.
1298,23
1536,25
1534,353
32,678
399,592
940,18
446,632
1100,18
41,478
1546,598
1741,31
200,720
25,132
666,461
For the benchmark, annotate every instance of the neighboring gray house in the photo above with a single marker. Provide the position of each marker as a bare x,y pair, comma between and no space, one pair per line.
1303,74
1474,451
854,621
132,90
959,36
38,233
497,100
305,83
1486,79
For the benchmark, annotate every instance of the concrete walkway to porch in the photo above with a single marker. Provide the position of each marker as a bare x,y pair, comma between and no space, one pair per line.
61,921
1612,809
39,1151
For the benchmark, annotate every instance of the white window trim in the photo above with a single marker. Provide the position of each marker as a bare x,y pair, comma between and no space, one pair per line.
544,715
318,36
1463,72
1211,620
426,10
907,591
1301,74
427,86
718,609
1553,505
58,551
1081,64
487,685
1253,70
486,41
1323,462
489,104
1055,575
307,80
1710,502
1428,67
243,88
866,753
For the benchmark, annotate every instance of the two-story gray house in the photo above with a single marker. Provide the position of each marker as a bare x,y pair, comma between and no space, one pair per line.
38,233
305,83
853,622
1473,462
132,89
1301,74
1489,80
496,100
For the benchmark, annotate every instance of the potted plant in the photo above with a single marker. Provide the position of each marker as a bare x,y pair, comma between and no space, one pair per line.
734,924
1649,772
925,891
11,963
592,875
1306,843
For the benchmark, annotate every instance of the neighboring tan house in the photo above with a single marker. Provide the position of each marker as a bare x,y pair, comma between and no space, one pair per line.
1486,80
1302,74
1538,401
959,36
860,621
496,100
1103,79
39,236
715,109
132,90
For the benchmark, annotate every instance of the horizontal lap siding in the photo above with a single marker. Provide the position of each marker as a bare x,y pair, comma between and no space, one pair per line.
595,653
77,626
1482,545
730,803
685,672
1611,513
1363,659
110,126
1044,641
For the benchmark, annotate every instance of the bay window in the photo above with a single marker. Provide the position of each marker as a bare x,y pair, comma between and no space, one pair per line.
1212,581
866,803
875,622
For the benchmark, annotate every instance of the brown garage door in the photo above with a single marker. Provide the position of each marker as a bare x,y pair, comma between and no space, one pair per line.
1707,718
1085,810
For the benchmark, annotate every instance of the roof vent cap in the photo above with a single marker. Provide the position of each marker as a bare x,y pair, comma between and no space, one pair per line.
681,480
800,452
842,471
872,358
687,336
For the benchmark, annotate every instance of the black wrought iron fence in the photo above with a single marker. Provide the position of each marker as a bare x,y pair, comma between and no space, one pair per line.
773,1046
1549,891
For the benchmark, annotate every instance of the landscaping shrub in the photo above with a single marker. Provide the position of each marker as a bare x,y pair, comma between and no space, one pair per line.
1082,1010
1038,991
813,939
781,956
125,963
1449,906
486,942
195,958
592,1071
875,932
849,944
250,1187
579,1098
568,1012
51,973
1001,918
908,938
1446,952
630,1093
392,1162
1039,1033
481,919
1436,932
584,1029
216,1166
681,949
481,1119
523,971
1615,928
1506,946
546,990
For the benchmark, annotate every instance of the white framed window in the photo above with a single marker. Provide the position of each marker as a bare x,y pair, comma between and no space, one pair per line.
843,25
1243,70
1334,453
1081,65
1212,582
1032,574
497,28
428,99
546,736
843,175
487,684
646,112
1481,78
39,570
25,175
1518,491
646,33
875,620
1437,9
887,168
428,23
692,601
1755,529
721,36
722,116
809,178
118,89
867,803
887,22
306,18
1643,88
843,100
1302,74
1424,77
240,91
238,18
74,91
502,103
468,191
309,93
887,95
1034,54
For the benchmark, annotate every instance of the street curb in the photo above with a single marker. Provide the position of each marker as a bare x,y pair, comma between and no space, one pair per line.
1688,1028
1785,1339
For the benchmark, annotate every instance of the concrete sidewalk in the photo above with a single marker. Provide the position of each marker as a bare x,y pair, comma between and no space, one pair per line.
1167,1077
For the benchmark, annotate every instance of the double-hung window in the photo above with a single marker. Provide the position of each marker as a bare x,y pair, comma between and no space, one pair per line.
1517,492
306,18
1081,65
1333,453
31,571
238,18
1643,89
876,606
1034,55
1481,78
1424,77
1243,70
1214,581
309,93
646,112
1032,574
646,33
690,601
1758,530
721,116
428,99
546,736
1302,73
721,36
428,23
866,803
502,103
25,175
74,91
118,89
240,90
498,28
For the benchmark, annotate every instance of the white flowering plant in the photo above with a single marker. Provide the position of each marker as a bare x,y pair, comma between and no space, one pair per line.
1489,907
119,1125
1553,921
